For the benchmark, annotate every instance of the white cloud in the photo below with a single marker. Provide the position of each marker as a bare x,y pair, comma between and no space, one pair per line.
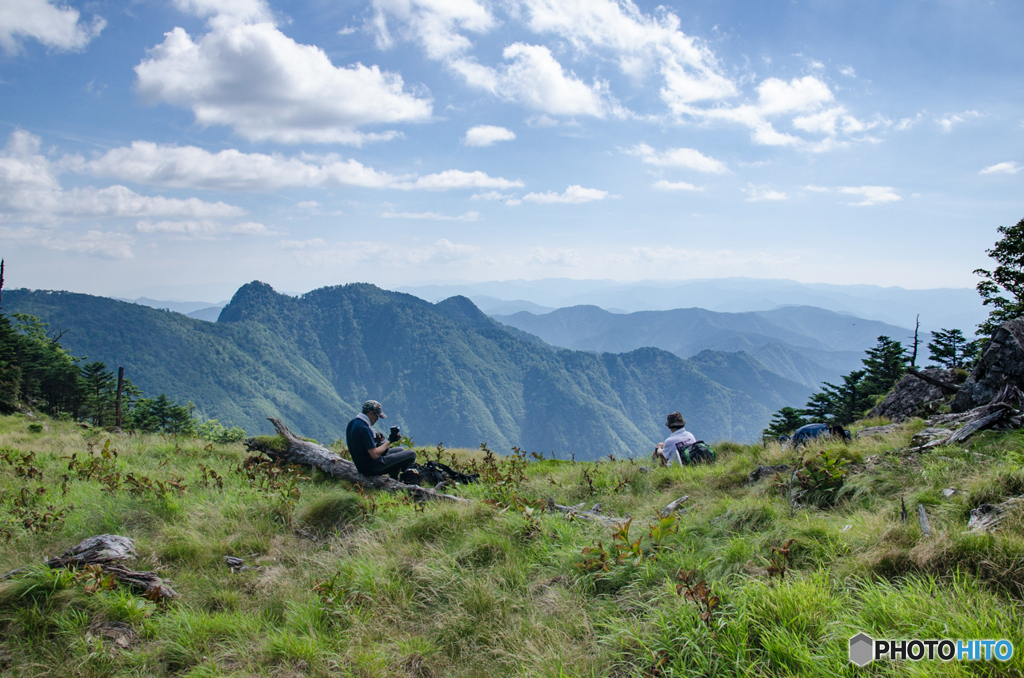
449,179
314,243
201,230
761,193
675,186
57,27
1002,168
678,157
554,257
246,74
30,192
536,80
573,195
950,119
443,252
848,71
190,166
435,24
907,123
871,195
641,42
492,195
486,135
798,95
431,216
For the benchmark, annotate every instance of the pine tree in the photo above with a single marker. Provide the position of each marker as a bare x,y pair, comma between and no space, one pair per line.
884,365
785,421
952,350
1007,277
98,393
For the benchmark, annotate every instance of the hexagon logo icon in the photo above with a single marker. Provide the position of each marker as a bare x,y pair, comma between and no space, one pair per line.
862,649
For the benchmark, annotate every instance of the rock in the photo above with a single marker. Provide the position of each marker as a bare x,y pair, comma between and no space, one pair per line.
1001,362
877,430
913,396
949,492
929,436
765,471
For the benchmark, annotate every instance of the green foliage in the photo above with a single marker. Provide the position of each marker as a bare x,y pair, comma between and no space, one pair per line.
952,350
885,364
1003,287
785,421
332,512
822,475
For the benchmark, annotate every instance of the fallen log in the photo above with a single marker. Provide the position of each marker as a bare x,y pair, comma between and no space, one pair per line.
975,425
987,517
108,551
593,515
306,453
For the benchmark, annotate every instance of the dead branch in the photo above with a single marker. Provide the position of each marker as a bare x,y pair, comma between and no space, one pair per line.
672,506
946,388
593,515
310,454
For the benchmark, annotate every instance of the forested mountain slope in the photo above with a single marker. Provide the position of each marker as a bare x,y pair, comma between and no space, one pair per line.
445,372
801,343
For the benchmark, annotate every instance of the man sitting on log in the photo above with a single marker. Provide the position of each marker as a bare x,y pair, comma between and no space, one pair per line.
371,454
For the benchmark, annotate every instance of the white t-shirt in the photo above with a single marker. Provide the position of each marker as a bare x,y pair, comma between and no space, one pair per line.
677,442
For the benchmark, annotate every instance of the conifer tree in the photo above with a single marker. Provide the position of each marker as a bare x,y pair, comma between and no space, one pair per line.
952,350
884,365
785,421
1003,286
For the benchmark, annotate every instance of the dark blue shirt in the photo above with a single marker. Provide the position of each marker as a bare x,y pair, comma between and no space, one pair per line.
359,438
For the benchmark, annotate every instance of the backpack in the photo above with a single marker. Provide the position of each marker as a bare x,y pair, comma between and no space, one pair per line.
434,472
699,453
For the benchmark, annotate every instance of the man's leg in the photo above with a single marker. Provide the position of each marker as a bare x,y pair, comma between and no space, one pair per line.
396,460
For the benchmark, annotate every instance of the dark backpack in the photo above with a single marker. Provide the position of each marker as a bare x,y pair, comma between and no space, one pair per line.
434,472
698,453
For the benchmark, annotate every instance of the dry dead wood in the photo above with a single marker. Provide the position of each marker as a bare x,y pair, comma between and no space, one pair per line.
306,453
948,389
108,551
922,519
593,515
987,517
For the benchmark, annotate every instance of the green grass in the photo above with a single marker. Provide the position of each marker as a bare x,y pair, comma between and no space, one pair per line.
371,584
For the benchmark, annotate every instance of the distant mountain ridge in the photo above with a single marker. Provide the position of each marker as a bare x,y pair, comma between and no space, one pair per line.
445,372
945,307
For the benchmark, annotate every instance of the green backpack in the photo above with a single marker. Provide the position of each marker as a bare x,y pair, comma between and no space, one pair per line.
699,453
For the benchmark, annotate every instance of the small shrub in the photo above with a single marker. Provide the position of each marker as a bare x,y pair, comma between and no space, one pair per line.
820,478
332,512
35,428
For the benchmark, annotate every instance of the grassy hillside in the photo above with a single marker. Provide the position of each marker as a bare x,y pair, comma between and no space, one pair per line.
444,372
372,585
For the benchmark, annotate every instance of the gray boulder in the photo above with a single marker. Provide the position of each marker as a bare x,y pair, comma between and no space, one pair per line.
1001,362
913,396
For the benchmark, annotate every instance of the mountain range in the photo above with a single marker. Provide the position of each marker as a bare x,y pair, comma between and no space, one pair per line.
938,308
445,371
801,343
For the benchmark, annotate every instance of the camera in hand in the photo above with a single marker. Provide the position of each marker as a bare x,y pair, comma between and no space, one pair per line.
395,434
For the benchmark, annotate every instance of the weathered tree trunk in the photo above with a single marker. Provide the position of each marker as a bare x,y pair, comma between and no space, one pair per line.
305,453
948,389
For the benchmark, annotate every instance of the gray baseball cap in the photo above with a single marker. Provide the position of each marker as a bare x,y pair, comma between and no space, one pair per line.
375,407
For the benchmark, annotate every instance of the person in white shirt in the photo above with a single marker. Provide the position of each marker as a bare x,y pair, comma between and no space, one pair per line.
679,440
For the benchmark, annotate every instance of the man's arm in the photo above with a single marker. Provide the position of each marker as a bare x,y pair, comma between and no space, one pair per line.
375,452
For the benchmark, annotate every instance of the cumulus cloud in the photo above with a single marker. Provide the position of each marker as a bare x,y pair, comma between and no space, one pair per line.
535,79
678,157
57,27
948,121
573,195
432,216
434,25
246,74
675,186
871,195
1002,168
233,170
449,179
492,195
761,193
486,135
907,123
30,192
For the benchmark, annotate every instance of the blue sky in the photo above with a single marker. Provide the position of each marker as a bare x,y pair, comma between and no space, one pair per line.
184,147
